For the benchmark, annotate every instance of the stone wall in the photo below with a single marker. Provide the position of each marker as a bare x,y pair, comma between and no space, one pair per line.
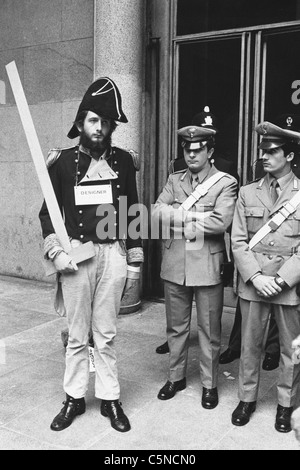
51,42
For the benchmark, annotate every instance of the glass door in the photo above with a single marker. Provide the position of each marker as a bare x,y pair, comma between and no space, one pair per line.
210,75
281,90
244,79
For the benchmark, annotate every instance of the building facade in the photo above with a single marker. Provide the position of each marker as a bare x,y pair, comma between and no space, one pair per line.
170,58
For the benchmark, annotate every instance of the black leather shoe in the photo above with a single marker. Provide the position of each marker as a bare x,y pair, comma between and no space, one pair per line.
163,348
270,362
283,419
229,356
242,413
113,410
170,388
72,407
210,398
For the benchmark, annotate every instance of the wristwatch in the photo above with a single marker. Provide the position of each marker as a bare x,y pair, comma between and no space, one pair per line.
280,282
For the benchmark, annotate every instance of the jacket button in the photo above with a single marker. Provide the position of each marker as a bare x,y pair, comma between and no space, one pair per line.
188,241
271,243
81,236
80,212
80,225
118,186
270,257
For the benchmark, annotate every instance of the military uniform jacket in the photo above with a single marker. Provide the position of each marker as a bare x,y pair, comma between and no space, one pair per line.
183,262
81,221
274,254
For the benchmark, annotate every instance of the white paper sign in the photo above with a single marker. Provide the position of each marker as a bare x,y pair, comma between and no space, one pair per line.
92,359
95,194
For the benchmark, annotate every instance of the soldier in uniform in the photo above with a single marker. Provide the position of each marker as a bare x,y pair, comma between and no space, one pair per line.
90,180
207,120
193,255
269,268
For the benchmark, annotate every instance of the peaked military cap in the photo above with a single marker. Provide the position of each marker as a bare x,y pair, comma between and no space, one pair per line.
205,119
103,98
286,128
195,137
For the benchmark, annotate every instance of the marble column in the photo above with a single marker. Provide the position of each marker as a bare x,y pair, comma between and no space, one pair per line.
118,53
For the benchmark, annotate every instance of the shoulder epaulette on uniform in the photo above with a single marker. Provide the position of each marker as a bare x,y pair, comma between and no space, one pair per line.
54,154
135,157
253,181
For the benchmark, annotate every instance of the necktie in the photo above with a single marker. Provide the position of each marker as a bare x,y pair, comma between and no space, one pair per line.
273,190
195,181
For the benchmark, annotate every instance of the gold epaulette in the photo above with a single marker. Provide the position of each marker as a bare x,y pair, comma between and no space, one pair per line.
135,157
54,154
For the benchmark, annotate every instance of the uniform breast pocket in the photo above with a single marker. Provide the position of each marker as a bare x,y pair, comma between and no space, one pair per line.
204,205
254,217
296,223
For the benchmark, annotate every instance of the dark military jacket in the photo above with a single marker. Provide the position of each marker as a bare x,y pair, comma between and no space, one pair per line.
81,221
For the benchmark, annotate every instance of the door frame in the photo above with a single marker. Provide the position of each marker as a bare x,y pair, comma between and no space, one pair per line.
161,98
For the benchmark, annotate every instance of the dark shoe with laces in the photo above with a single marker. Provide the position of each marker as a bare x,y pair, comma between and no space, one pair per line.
242,413
112,409
270,362
72,407
210,398
229,356
163,348
283,419
171,388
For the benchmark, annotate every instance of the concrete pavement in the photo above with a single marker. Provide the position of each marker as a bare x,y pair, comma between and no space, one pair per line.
31,394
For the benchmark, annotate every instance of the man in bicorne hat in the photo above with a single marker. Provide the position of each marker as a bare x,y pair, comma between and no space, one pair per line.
194,210
89,181
268,263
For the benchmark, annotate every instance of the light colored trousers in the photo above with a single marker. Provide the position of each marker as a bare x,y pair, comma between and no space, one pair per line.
92,297
209,305
254,323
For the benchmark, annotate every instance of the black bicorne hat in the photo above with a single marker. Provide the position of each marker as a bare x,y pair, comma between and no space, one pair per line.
103,98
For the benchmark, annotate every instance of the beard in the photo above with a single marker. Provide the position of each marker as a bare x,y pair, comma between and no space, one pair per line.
95,146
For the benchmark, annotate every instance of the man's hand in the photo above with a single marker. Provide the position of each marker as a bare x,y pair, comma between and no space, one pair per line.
266,286
64,264
296,343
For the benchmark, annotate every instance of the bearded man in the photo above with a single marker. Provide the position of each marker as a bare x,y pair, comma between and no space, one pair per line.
90,180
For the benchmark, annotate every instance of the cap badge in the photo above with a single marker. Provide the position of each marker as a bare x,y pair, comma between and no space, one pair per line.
208,121
289,121
192,132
